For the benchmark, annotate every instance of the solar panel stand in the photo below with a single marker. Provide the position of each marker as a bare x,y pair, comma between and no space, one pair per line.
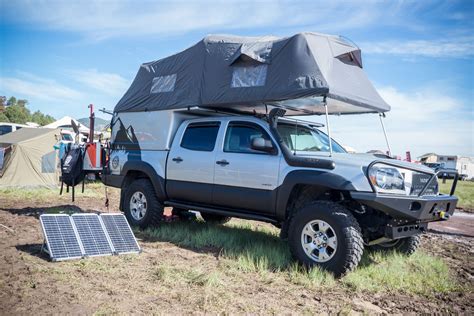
86,235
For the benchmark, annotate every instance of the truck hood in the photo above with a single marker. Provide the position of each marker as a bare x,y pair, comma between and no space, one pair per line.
364,160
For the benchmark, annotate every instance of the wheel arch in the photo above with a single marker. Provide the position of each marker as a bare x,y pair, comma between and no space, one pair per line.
298,181
140,169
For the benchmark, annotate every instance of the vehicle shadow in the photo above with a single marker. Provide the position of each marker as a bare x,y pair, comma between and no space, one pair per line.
37,211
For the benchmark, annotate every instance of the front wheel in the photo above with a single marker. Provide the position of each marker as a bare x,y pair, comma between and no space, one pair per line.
325,234
141,206
406,246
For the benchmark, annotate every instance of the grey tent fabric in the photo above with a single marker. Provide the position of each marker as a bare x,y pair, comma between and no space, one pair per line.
230,72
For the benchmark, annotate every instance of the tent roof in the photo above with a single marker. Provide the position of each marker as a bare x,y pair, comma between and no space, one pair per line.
66,121
223,71
23,134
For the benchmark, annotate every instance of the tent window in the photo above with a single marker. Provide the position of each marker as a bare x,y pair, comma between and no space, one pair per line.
249,76
163,84
48,162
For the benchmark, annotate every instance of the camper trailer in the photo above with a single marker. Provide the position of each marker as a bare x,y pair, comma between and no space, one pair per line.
222,128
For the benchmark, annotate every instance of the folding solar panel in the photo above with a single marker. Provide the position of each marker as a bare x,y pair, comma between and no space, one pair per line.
120,233
62,241
92,235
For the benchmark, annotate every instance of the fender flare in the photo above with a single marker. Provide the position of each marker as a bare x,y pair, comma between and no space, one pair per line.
157,181
319,178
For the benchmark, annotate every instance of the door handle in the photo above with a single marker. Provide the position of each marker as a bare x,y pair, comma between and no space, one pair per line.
177,159
222,162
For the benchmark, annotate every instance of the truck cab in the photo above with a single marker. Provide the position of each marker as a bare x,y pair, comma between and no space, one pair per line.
329,204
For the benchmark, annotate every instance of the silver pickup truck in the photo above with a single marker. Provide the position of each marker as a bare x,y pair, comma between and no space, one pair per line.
277,170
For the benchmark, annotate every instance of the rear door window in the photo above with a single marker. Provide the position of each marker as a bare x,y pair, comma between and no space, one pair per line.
200,136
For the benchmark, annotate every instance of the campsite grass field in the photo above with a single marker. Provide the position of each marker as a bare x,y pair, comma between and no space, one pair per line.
249,247
464,191
193,267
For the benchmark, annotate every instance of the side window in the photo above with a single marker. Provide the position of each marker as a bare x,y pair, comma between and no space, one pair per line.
239,135
200,136
5,129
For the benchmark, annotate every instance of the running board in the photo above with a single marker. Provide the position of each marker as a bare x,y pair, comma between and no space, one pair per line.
221,212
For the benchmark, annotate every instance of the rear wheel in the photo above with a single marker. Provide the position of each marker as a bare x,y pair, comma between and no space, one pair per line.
406,246
215,218
325,234
141,206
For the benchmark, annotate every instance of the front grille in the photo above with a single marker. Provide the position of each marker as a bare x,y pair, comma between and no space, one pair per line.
419,181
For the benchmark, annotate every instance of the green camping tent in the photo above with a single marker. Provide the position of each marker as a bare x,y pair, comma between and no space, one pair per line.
28,158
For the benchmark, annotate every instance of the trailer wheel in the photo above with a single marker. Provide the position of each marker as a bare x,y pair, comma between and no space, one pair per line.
325,234
406,246
215,218
141,206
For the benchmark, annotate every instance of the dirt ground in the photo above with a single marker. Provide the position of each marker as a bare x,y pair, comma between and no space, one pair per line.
30,284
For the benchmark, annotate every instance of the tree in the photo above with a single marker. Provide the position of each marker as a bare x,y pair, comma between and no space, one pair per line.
17,114
41,118
3,118
11,101
16,111
22,103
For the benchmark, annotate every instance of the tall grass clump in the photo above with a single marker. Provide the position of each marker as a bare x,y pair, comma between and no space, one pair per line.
417,274
253,248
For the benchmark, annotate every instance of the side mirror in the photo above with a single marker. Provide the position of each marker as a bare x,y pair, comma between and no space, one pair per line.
260,144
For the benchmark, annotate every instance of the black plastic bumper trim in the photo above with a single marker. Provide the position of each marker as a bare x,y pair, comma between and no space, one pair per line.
112,180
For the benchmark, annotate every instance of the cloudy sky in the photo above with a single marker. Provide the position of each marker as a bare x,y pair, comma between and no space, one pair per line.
63,55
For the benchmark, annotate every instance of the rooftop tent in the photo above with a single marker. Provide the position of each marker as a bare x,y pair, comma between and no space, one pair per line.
28,158
238,73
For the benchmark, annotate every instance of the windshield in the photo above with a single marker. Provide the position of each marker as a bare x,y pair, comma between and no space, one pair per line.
67,137
303,138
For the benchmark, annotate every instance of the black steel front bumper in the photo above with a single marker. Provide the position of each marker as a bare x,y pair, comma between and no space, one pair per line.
405,209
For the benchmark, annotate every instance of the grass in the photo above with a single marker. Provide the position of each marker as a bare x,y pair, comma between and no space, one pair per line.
418,274
47,194
253,248
189,275
464,191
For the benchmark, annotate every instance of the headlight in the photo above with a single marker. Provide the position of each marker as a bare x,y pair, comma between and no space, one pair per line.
387,179
397,180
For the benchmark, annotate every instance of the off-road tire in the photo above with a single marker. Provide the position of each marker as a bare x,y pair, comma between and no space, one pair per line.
349,247
215,218
406,246
154,212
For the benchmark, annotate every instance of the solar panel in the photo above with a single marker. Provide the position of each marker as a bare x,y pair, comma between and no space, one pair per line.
120,233
92,235
62,241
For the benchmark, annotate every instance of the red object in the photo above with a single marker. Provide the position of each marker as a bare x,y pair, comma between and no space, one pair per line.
91,123
408,156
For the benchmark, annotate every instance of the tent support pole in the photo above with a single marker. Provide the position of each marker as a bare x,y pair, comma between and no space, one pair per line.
381,116
327,125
